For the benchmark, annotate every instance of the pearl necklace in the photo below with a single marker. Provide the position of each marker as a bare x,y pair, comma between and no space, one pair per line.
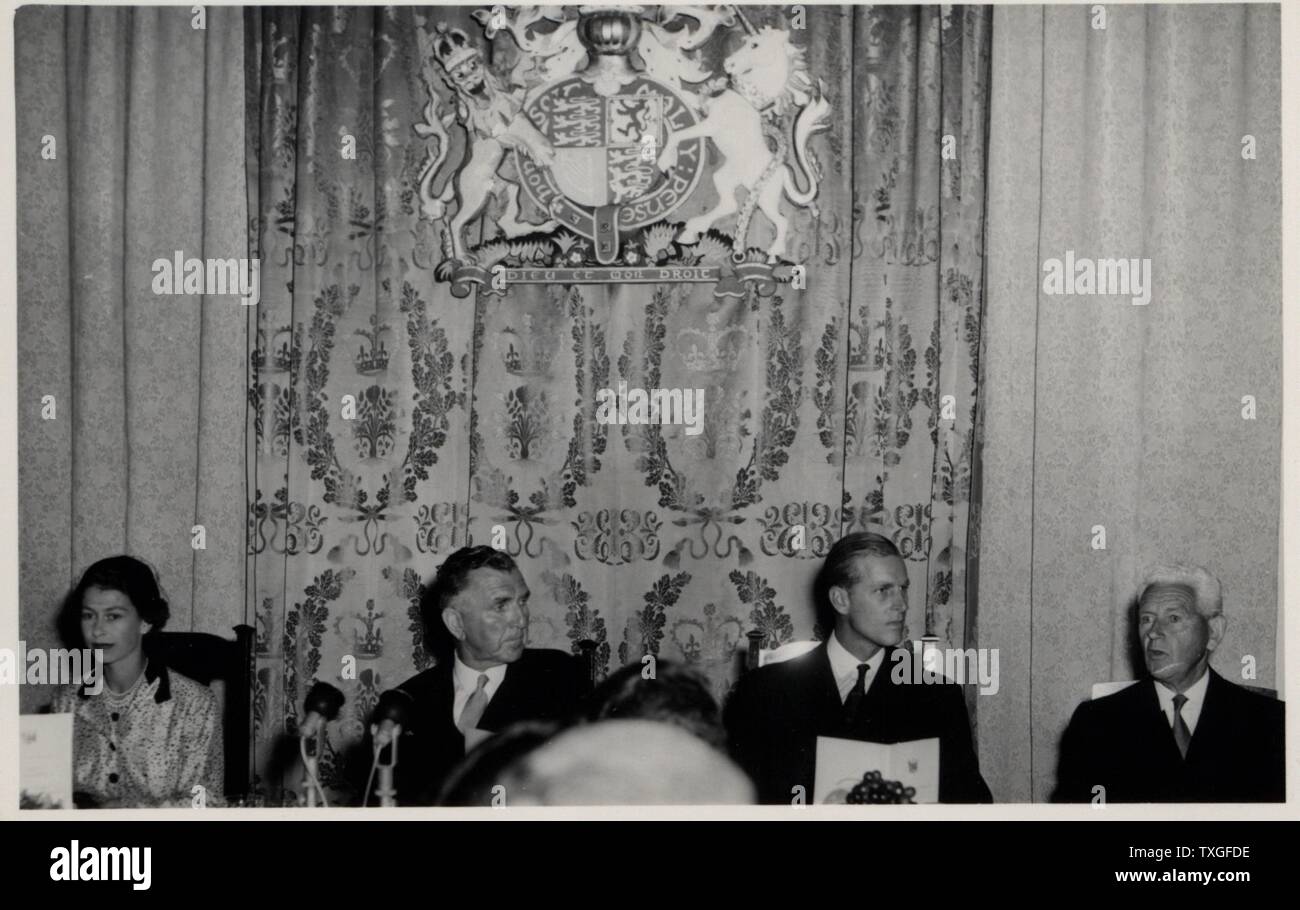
122,699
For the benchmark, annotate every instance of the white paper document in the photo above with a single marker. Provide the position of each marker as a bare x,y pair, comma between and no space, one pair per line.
841,764
45,761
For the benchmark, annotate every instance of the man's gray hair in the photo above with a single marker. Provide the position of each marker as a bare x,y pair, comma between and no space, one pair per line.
1208,591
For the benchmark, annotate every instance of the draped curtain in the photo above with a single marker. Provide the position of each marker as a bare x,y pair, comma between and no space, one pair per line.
391,422
131,405
862,401
1104,417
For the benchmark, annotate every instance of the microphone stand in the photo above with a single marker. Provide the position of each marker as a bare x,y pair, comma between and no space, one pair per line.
322,705
310,763
391,715
384,789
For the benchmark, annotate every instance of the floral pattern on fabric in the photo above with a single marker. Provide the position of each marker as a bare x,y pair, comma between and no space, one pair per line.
393,422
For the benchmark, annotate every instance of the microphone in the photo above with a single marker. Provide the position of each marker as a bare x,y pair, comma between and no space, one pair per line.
322,705
390,717
391,714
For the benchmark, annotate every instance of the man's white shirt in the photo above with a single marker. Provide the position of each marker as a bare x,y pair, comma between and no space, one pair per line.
1192,708
465,681
844,666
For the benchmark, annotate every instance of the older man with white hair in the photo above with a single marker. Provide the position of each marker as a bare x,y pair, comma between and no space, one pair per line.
1186,734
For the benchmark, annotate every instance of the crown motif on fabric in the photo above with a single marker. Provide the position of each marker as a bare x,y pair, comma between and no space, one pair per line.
711,641
452,47
373,359
527,351
265,620
372,362
859,355
284,350
367,635
713,348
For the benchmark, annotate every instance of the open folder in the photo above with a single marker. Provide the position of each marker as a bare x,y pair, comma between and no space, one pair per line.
841,764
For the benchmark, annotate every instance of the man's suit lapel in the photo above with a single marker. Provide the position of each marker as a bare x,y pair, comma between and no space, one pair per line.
1153,719
499,710
875,708
882,695
1209,726
442,696
435,744
826,694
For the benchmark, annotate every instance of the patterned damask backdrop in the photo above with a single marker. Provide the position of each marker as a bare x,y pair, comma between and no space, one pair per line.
825,408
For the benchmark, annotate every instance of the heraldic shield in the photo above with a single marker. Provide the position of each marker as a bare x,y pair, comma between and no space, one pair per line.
605,156
599,141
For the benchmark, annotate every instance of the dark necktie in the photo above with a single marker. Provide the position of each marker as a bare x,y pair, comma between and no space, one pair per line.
1182,735
853,704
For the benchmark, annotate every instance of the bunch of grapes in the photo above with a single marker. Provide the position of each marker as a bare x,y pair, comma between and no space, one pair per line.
876,790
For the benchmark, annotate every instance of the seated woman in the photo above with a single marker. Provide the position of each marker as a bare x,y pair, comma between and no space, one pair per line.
150,735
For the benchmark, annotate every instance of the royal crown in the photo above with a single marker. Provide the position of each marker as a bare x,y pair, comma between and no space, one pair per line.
610,30
284,350
367,636
859,356
375,358
863,355
527,352
452,47
265,619
712,641
712,348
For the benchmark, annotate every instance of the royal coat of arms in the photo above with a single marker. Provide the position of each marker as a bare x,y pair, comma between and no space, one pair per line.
572,165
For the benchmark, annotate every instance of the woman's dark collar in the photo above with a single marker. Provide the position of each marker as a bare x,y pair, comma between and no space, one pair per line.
156,669
153,669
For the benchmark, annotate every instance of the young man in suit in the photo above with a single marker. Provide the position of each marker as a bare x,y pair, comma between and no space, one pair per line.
845,688
475,612
1185,734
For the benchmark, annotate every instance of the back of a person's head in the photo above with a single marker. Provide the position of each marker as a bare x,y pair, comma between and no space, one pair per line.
628,763
474,780
665,691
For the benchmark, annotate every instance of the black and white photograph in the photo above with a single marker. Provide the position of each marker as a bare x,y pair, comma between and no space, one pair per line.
811,407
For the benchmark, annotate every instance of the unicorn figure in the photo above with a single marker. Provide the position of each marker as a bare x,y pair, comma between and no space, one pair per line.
766,77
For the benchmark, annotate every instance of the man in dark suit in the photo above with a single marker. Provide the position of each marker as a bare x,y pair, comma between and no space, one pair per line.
1185,734
847,688
485,678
